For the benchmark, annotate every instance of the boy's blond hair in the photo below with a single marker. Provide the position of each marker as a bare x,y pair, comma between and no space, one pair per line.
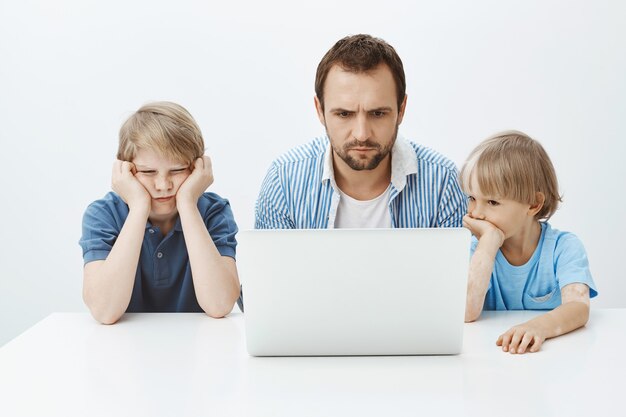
164,127
513,166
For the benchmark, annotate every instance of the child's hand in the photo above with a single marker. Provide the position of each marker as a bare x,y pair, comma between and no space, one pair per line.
522,338
196,183
484,230
124,183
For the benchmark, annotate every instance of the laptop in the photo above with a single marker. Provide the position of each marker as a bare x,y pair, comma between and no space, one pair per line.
338,292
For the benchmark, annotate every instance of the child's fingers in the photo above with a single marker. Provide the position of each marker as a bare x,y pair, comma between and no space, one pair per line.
506,340
537,342
120,168
526,340
468,221
206,160
127,167
499,341
515,340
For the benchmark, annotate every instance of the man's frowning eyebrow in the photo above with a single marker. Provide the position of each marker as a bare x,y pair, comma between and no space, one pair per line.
339,110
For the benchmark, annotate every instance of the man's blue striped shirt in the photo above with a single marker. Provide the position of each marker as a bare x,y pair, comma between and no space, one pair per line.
299,190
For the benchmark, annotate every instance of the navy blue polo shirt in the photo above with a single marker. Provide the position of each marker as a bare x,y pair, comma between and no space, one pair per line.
163,281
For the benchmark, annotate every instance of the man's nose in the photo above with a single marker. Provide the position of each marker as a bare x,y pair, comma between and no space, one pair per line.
362,128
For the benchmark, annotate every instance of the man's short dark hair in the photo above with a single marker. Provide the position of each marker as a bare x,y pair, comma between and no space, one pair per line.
361,53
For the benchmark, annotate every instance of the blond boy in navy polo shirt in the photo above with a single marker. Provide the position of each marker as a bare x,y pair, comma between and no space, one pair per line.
159,242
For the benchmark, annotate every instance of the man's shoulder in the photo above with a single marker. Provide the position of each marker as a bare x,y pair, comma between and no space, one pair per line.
307,152
429,156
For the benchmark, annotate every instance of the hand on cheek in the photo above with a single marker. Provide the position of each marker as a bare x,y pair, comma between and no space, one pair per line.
197,182
128,187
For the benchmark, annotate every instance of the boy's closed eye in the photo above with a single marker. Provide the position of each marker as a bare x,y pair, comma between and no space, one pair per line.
146,171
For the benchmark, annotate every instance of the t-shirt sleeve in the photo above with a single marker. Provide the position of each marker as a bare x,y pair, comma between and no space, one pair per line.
101,227
571,264
221,225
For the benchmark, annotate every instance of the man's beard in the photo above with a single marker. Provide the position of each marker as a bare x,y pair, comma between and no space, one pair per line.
359,164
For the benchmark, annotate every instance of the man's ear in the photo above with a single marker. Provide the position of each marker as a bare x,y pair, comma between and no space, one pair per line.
320,110
401,110
540,200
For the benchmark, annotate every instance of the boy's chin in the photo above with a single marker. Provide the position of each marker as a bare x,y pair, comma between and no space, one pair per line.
164,210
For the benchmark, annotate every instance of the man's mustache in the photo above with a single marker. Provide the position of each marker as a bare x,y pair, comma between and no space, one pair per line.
361,144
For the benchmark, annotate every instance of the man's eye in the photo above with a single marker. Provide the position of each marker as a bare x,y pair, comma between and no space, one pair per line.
379,113
343,114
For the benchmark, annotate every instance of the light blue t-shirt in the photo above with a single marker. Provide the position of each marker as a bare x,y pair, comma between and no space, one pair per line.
558,260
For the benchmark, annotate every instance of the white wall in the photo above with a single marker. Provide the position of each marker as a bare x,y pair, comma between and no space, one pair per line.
72,70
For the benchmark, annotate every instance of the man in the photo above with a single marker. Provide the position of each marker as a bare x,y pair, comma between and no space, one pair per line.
360,175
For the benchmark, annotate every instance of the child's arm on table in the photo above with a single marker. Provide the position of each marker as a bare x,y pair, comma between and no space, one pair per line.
570,315
108,284
215,278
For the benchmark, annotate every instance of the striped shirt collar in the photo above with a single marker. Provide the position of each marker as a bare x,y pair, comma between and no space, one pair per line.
403,164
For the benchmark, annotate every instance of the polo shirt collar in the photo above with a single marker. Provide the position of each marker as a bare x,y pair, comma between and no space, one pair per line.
178,227
403,163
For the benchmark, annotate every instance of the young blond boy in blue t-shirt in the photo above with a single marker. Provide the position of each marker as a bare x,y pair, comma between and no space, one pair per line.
518,261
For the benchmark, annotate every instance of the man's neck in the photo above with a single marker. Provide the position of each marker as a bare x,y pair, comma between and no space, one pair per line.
362,185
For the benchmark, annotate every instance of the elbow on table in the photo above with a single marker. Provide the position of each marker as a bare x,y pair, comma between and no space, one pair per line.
218,310
102,315
107,318
218,307
472,316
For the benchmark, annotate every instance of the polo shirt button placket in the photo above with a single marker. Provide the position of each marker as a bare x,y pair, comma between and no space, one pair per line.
159,255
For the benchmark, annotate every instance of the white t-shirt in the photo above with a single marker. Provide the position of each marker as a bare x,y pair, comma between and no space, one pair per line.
359,214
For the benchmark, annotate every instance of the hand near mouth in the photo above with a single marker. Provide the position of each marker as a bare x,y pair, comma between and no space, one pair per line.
480,228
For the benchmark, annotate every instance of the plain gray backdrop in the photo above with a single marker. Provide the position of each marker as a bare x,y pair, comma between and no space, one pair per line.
72,71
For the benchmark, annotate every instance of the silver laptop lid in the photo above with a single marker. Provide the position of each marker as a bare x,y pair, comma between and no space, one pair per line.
354,291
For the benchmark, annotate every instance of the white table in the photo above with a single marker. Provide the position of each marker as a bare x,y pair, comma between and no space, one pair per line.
190,364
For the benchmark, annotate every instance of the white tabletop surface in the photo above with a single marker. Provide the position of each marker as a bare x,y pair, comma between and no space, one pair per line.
189,364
